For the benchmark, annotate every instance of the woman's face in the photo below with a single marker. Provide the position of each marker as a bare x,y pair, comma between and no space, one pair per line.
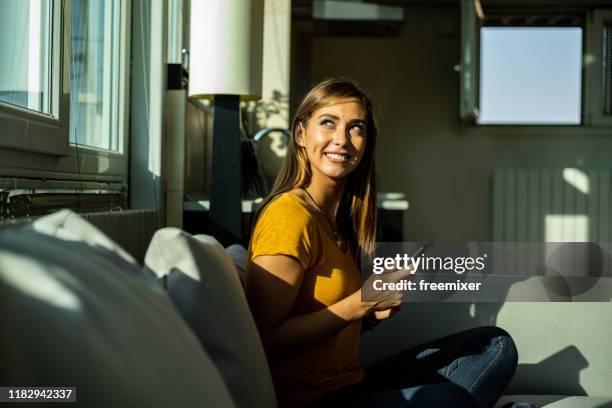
335,138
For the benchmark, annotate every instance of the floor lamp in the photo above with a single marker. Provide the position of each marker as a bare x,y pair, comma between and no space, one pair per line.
225,65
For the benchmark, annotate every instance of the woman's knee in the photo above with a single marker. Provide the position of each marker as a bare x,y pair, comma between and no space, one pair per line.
502,359
501,339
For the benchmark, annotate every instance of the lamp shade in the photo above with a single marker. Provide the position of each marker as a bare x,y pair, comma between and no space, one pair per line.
226,48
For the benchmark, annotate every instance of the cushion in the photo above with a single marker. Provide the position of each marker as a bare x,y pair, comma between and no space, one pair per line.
239,255
203,283
78,312
69,226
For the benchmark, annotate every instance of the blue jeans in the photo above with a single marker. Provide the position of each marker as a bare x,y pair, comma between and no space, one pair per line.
467,369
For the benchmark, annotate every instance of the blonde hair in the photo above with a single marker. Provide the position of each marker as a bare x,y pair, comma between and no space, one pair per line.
356,215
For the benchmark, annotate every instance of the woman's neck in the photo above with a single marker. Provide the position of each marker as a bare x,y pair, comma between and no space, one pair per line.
327,194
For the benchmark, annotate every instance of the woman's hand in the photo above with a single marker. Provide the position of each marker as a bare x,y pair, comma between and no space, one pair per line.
385,299
374,318
386,313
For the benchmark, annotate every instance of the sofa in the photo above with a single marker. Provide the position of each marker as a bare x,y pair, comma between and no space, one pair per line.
78,310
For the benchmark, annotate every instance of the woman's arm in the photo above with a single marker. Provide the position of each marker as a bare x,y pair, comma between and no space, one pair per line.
272,288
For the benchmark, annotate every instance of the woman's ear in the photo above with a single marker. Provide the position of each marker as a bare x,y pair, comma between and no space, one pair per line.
299,135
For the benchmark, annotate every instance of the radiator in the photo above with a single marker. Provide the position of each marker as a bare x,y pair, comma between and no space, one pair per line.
563,205
131,229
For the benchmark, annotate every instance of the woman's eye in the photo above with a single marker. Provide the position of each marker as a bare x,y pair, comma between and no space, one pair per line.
328,123
357,128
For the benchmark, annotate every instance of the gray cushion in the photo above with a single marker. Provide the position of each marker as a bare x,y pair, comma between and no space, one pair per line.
203,283
75,313
239,257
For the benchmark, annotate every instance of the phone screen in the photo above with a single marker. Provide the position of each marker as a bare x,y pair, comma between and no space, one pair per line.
420,251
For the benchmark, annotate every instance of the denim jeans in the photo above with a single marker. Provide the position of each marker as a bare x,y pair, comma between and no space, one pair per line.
467,369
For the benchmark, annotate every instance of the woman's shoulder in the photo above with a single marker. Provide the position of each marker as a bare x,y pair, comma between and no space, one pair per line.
286,221
289,204
286,213
286,226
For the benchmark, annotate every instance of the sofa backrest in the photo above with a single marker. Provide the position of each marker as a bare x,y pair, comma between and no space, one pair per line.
203,283
76,311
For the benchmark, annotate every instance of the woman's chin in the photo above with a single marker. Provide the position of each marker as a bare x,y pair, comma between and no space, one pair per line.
338,175
334,172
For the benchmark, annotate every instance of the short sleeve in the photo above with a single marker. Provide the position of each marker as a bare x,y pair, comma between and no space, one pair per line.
285,228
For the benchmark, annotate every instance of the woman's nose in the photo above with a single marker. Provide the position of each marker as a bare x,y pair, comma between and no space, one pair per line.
341,136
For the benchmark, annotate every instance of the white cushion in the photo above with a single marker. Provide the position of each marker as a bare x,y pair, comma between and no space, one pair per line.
69,226
203,283
77,314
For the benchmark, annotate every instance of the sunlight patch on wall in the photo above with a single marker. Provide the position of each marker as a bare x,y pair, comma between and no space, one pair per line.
566,228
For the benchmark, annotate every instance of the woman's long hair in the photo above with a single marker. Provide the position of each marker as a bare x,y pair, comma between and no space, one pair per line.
356,216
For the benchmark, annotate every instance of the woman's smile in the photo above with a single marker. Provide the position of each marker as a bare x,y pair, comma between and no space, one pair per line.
338,157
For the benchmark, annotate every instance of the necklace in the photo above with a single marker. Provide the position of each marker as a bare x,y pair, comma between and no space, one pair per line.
340,241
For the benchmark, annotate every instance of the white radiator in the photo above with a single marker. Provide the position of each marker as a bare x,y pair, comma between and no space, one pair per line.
564,205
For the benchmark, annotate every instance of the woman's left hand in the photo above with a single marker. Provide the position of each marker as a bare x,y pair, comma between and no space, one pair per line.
376,316
386,313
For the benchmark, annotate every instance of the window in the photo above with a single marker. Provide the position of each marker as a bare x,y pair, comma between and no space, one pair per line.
33,97
94,74
67,119
535,67
25,67
530,75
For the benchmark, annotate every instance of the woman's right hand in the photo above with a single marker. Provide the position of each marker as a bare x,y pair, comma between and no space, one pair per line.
385,298
362,304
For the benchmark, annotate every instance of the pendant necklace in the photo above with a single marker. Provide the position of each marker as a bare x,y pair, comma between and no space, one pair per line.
340,242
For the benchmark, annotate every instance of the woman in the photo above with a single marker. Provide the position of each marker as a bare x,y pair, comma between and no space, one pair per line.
303,279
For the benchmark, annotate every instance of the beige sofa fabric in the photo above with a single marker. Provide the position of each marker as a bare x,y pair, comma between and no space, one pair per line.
75,311
203,283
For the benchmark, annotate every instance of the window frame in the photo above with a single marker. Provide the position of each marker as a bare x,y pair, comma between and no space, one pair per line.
39,147
469,66
593,105
40,132
591,83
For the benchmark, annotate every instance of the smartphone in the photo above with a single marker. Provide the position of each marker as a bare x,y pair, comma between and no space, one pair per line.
387,303
420,251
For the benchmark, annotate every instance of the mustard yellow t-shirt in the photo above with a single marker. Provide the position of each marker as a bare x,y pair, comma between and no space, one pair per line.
289,226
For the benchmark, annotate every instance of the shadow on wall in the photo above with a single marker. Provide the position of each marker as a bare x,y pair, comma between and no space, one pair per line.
265,121
556,374
271,152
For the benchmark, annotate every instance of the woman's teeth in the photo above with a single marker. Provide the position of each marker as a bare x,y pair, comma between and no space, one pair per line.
337,156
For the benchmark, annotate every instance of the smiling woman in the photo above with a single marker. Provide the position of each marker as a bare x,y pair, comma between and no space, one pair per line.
303,279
